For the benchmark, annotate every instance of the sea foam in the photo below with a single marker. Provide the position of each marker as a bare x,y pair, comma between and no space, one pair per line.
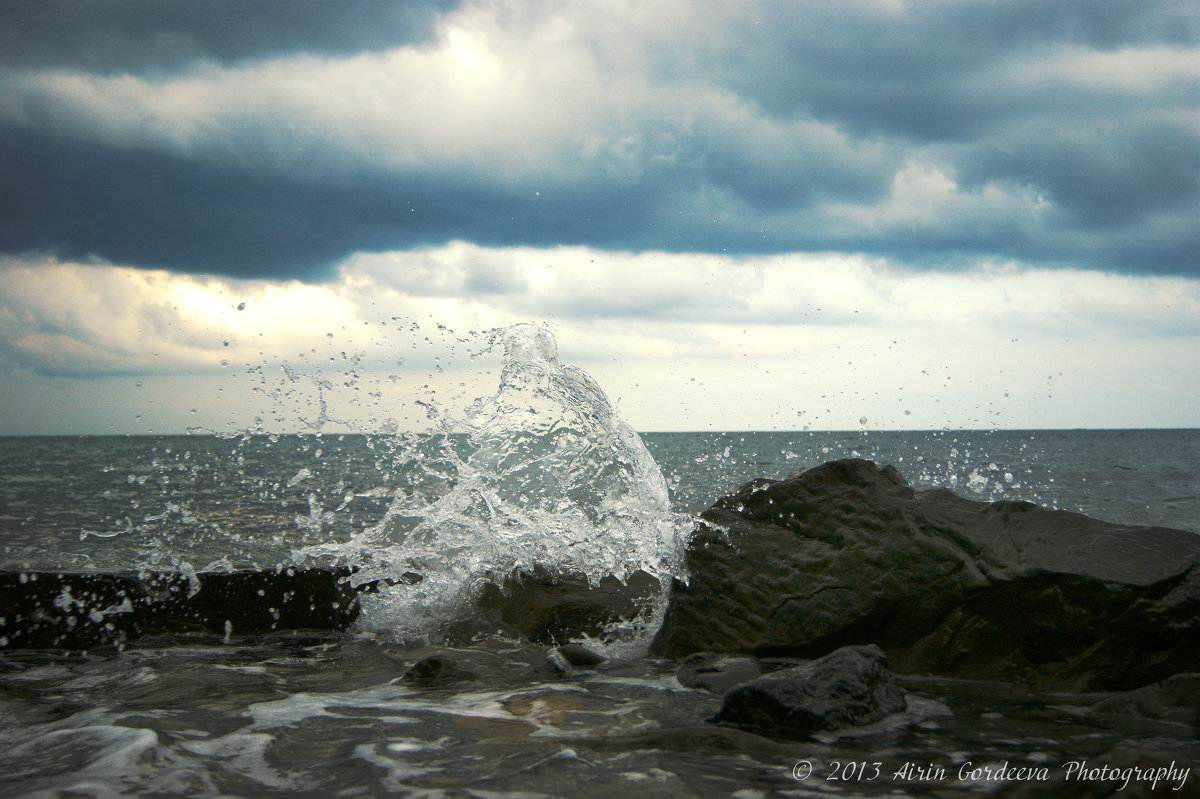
541,475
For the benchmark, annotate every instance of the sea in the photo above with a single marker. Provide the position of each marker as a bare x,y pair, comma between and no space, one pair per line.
542,474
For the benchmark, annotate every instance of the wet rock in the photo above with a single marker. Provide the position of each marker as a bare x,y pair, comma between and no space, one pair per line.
551,608
566,658
579,655
435,671
848,688
716,672
58,610
849,553
1175,699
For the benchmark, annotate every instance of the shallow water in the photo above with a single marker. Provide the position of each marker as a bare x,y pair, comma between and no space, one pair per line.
335,716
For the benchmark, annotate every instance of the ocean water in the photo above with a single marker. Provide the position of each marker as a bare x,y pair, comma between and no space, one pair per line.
542,473
127,502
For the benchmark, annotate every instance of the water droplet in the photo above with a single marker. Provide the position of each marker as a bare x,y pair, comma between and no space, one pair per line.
241,306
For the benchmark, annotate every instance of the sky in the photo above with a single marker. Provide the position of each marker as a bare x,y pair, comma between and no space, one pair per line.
870,214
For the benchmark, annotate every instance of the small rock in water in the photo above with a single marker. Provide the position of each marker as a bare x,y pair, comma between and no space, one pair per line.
436,671
564,658
579,655
716,672
849,687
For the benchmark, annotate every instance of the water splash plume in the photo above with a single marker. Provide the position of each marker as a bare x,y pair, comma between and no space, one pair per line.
541,475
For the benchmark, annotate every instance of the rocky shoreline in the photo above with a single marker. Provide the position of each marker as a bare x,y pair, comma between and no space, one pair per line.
836,602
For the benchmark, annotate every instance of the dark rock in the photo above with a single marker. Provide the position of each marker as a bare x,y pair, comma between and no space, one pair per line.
436,671
57,610
564,659
849,553
553,609
716,672
579,655
1175,699
847,688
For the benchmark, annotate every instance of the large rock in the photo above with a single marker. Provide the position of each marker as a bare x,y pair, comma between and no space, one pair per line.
1175,700
849,553
65,610
848,688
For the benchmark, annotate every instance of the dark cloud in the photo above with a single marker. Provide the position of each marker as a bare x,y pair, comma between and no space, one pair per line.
121,35
1115,173
151,210
917,74
766,129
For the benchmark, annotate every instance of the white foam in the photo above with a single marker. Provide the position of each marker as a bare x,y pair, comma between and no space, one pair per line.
542,473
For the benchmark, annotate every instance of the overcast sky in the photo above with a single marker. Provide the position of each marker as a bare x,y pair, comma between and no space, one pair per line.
832,215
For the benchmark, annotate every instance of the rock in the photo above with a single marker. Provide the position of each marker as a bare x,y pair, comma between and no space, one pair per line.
715,672
1175,699
849,553
579,655
559,663
62,610
551,609
847,688
565,658
436,671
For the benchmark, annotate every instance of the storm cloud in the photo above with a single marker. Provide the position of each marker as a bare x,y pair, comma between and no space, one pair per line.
279,139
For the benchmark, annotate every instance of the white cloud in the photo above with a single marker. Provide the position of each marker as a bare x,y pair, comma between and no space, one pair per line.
684,341
1072,79
86,319
522,97
505,100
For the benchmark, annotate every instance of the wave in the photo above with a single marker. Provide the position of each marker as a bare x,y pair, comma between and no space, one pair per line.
542,476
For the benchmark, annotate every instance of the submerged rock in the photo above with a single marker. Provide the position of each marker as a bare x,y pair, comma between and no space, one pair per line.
849,553
715,672
851,687
436,671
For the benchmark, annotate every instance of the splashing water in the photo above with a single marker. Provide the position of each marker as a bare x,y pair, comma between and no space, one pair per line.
543,474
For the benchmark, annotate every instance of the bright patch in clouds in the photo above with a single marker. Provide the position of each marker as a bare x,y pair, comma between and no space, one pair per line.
681,341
